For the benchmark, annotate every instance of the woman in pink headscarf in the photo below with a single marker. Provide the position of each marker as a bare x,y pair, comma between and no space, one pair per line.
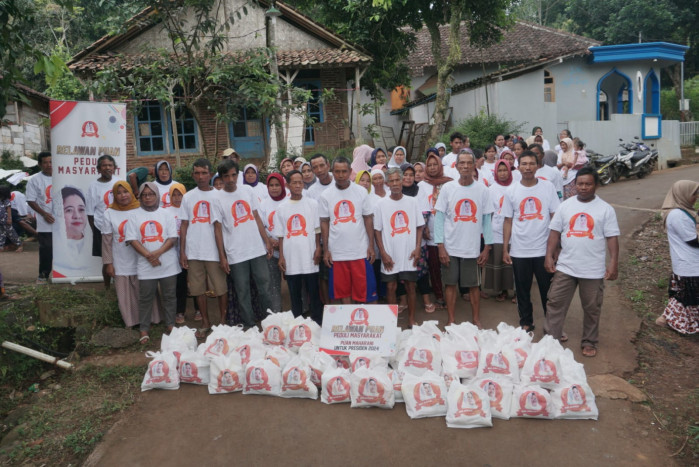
361,155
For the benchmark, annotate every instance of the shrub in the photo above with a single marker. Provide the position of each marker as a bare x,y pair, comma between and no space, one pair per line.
482,129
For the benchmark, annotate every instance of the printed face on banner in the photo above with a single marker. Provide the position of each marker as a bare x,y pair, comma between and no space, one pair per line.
469,405
399,223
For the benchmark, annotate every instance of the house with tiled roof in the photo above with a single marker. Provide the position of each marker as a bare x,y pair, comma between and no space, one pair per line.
540,76
308,55
23,129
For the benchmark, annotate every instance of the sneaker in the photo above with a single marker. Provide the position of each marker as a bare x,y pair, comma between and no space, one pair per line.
41,281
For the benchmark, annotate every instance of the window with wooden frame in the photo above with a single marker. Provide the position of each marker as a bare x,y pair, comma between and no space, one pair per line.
549,87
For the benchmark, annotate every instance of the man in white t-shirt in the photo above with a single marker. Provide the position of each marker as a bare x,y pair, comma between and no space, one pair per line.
583,226
99,197
39,199
398,223
243,244
456,141
199,253
321,169
297,225
346,225
463,214
545,172
527,208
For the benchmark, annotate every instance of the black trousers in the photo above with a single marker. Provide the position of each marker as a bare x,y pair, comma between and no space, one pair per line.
525,269
45,254
309,282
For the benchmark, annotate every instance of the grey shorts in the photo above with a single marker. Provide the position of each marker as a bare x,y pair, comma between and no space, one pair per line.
464,272
410,276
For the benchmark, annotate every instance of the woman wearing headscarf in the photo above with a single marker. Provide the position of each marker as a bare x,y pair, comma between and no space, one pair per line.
276,194
550,158
498,275
378,156
177,192
119,259
441,149
309,178
286,165
163,177
298,162
360,156
412,189
419,171
152,233
680,219
537,131
566,164
363,179
251,177
398,158
431,186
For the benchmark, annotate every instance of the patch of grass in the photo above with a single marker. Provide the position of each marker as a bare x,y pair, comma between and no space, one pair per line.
637,296
633,260
662,283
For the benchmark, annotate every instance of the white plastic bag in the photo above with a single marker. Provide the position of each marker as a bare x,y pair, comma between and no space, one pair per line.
520,340
180,339
424,395
278,354
275,327
429,328
467,407
499,392
262,376
296,380
460,352
227,374
371,388
342,361
302,331
319,361
530,402
397,381
496,358
359,360
162,372
219,342
250,348
335,386
194,368
543,366
422,354
573,398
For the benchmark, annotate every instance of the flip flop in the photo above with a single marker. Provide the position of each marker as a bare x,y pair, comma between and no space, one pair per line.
564,337
179,318
402,308
589,351
144,340
197,316
529,328
500,298
429,308
202,333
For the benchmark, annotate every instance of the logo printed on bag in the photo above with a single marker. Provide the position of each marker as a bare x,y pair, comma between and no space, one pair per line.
521,355
344,212
256,379
397,379
299,335
228,381
371,391
496,363
465,211
165,199
218,347
158,372
361,362
545,371
338,389
427,395
241,212
90,130
189,373
294,379
274,335
494,391
151,231
573,399
48,195
316,376
202,212
581,225
122,231
295,226
244,351
399,223
359,316
341,361
419,358
469,405
530,209
533,404
108,198
466,359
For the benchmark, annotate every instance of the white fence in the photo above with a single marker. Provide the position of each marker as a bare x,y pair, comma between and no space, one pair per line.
688,133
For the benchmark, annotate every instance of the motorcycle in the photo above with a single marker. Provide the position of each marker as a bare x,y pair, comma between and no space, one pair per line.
635,159
604,165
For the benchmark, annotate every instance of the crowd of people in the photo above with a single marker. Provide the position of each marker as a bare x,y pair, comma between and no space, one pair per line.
461,223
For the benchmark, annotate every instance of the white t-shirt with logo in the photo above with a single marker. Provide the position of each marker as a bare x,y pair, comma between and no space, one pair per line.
398,222
152,229
297,222
99,197
198,209
164,190
463,208
530,209
497,198
427,191
449,160
681,229
39,191
347,239
19,202
584,228
236,212
124,257
318,188
488,171
552,175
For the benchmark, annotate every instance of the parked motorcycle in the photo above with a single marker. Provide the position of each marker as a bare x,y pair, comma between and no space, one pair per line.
636,159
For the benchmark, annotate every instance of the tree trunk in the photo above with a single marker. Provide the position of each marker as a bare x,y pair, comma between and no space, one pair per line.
445,69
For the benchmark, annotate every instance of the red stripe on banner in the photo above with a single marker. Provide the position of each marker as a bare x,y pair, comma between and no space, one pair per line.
60,110
57,274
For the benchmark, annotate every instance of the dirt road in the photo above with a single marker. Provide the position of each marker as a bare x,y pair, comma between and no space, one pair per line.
189,427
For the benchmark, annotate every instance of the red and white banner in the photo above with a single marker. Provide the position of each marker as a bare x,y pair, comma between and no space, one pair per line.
80,133
359,328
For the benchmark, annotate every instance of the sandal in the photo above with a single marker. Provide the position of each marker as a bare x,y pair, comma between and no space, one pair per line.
514,300
441,305
144,340
564,337
179,318
202,333
589,351
500,297
402,308
197,316
430,307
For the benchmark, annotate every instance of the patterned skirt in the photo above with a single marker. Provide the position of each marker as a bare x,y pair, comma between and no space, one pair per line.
682,311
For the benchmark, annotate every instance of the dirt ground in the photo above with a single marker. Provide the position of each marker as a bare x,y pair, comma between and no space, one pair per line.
189,426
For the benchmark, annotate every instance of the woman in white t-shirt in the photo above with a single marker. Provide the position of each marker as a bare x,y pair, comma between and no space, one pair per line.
163,177
177,192
682,310
498,275
276,194
252,178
